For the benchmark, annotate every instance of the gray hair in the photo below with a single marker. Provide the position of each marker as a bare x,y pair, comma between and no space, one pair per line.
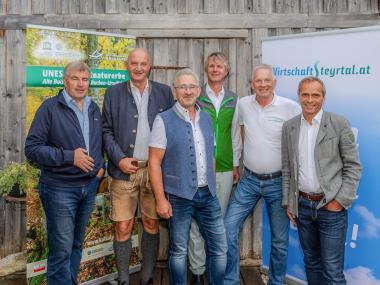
310,79
144,50
262,66
77,66
221,56
186,71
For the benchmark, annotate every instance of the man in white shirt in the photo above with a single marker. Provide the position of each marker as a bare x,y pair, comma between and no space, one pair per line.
220,103
321,172
261,117
181,168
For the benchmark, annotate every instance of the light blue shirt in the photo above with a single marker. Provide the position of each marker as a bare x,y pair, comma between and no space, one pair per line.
82,116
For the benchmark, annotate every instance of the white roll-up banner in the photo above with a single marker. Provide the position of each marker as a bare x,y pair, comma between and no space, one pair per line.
348,61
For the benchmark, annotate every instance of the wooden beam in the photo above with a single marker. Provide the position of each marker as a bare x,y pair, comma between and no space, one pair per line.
185,21
189,33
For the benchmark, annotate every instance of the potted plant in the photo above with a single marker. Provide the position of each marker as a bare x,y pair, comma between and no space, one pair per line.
16,178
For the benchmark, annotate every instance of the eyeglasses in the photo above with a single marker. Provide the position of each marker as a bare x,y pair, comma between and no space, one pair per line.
190,87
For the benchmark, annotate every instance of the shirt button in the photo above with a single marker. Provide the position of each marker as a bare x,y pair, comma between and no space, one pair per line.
134,131
131,145
135,116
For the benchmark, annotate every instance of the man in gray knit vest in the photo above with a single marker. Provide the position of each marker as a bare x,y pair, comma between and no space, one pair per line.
181,169
128,113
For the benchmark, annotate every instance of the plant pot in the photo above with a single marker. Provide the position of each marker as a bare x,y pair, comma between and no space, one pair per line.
15,192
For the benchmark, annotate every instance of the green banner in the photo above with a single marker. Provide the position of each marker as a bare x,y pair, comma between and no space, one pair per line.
49,76
48,51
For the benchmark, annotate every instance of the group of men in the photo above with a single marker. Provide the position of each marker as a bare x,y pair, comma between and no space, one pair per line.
178,160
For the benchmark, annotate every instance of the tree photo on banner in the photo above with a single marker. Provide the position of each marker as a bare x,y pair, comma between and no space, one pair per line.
348,62
48,50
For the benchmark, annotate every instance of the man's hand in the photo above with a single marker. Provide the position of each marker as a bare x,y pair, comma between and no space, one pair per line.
127,166
291,217
164,209
82,160
334,206
100,173
236,175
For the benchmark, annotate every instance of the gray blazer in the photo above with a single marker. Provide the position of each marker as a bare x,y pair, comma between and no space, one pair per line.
336,157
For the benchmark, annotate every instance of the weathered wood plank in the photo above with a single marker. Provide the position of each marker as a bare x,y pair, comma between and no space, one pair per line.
184,52
374,6
112,6
189,33
330,6
172,60
3,7
50,6
3,99
21,7
261,6
232,58
342,6
99,7
185,6
251,275
15,94
287,6
171,7
38,7
243,67
237,6
86,7
185,21
2,227
68,7
160,58
210,6
197,56
160,7
136,6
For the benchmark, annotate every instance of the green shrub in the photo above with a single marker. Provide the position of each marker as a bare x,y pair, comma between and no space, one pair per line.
21,175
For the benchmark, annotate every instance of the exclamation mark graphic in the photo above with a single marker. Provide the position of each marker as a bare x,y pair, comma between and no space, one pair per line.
354,235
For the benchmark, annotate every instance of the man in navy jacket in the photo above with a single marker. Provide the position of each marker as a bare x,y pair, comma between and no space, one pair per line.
128,113
65,139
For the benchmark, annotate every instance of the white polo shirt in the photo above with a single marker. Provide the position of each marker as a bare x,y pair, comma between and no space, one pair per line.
262,126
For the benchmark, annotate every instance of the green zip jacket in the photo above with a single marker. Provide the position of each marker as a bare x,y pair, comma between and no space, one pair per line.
222,126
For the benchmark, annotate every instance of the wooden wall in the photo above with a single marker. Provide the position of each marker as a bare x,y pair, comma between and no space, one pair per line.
177,33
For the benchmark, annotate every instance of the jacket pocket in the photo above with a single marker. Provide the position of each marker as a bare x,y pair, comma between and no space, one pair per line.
171,181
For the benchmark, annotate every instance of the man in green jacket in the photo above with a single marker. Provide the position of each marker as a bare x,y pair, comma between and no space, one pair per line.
221,104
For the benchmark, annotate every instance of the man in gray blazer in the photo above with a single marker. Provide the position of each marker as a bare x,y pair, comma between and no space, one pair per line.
320,174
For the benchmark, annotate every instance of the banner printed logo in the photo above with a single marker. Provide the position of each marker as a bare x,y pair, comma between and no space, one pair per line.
322,71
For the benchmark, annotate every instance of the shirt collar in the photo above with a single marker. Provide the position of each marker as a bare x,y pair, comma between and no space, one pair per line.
184,113
70,101
210,91
317,118
274,102
134,87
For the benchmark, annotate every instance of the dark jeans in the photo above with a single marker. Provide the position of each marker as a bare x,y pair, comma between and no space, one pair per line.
322,236
67,211
205,210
